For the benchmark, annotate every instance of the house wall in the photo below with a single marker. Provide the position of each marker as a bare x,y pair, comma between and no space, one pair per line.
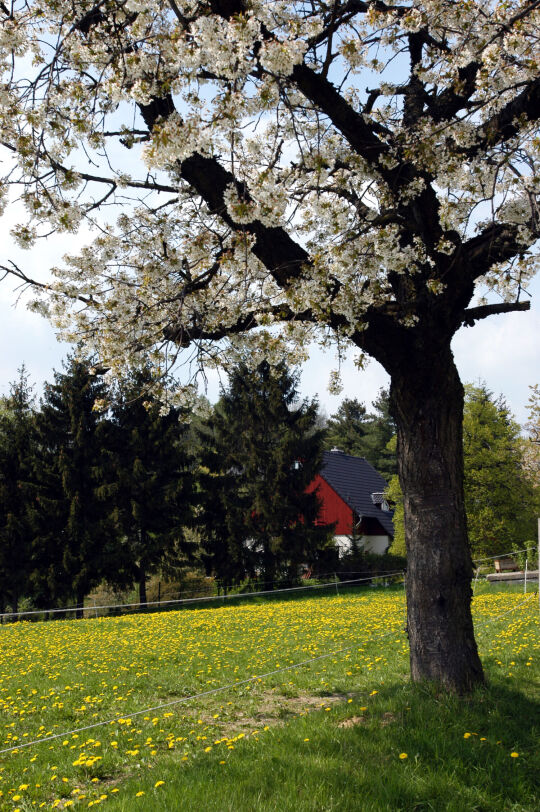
333,507
368,544
376,544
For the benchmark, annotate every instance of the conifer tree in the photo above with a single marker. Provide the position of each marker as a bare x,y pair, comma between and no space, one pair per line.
498,494
73,542
222,504
356,431
346,429
267,450
152,480
16,451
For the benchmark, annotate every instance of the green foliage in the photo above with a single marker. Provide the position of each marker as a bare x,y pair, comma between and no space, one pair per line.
17,431
499,497
73,544
500,493
263,450
355,431
395,496
358,561
150,482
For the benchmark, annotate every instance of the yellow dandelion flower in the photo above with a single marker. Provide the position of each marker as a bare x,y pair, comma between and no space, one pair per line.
514,755
139,793
403,756
159,783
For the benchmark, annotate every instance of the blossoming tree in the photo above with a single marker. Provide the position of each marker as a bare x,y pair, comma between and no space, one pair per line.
353,167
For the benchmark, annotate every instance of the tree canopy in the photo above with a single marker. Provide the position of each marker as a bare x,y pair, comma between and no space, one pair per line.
362,167
499,496
353,430
263,450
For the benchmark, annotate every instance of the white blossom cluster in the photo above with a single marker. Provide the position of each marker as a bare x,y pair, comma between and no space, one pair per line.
81,82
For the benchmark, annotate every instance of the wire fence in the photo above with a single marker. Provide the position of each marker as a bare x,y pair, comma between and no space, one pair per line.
229,686
503,555
335,584
189,598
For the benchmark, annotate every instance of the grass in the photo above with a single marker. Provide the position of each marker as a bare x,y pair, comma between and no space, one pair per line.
324,736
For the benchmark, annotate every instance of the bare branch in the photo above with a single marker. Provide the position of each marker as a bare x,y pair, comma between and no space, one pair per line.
473,314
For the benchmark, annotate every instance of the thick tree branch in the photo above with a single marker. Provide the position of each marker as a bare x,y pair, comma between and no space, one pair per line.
278,252
508,122
473,314
499,242
183,334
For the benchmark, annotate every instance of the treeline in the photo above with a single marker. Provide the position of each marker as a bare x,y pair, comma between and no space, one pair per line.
112,484
501,476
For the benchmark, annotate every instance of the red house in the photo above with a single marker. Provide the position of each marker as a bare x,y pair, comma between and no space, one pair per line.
352,495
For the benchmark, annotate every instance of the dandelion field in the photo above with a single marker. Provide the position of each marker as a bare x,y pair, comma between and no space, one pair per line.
284,736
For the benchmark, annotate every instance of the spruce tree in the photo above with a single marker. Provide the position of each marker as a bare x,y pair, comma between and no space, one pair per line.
152,479
73,543
222,504
347,428
498,493
17,443
356,431
267,451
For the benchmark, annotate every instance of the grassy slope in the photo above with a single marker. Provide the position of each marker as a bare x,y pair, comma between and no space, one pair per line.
322,737
316,763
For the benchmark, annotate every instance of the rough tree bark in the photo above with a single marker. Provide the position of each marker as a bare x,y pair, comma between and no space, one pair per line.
427,400
142,586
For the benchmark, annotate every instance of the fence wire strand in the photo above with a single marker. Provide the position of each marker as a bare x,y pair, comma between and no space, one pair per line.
202,599
222,688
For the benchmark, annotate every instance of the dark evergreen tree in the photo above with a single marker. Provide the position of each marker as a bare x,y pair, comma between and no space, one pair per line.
152,480
267,450
73,546
380,451
347,428
17,432
355,431
223,503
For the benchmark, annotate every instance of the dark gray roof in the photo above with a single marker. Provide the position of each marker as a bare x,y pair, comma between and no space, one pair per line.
355,481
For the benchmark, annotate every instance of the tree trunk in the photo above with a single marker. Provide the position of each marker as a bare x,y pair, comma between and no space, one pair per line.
427,401
142,586
80,604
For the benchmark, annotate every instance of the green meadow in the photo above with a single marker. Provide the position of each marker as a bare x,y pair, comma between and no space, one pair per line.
272,704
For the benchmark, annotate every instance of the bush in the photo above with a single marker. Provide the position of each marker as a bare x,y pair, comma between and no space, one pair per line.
371,563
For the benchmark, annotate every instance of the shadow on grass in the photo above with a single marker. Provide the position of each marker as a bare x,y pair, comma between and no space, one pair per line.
349,758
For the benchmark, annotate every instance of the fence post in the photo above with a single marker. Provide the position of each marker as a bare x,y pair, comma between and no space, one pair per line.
336,582
526,566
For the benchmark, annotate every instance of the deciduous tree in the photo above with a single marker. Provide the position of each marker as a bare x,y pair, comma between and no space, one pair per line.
360,166
499,497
